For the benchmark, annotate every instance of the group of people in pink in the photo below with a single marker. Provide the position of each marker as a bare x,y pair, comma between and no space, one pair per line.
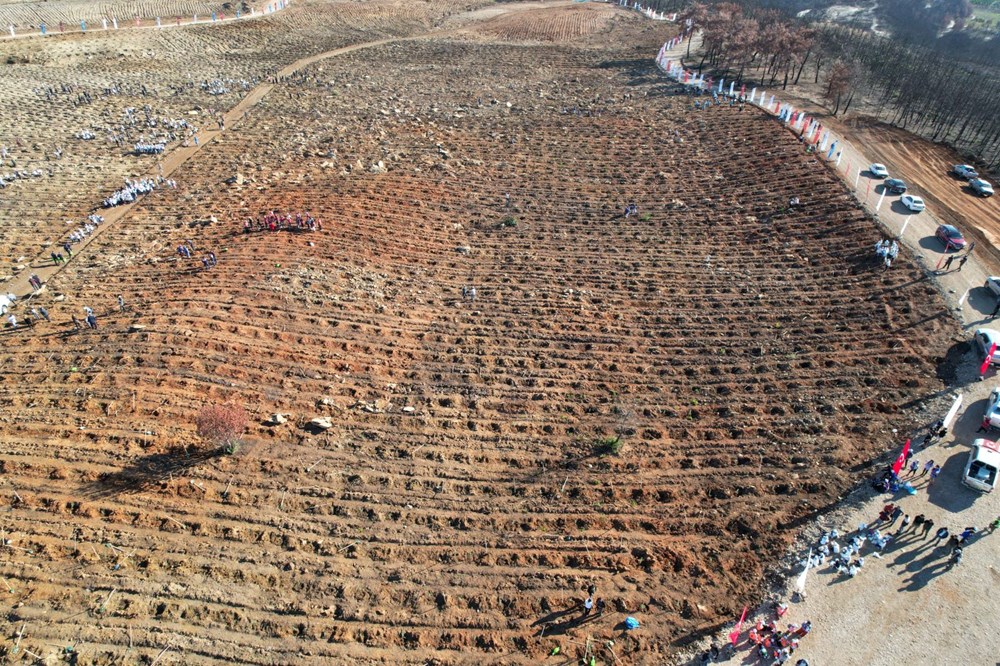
275,221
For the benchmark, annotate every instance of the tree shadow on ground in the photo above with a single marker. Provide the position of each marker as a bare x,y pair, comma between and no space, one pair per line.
146,472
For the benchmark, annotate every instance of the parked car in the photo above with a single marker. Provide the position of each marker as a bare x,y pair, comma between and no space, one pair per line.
993,284
992,413
914,203
950,236
985,339
981,187
965,171
878,170
981,470
895,186
6,302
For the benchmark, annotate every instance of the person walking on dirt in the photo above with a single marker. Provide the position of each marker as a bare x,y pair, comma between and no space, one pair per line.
12,320
92,321
69,248
896,513
962,261
935,473
941,534
44,313
903,525
588,605
994,525
927,467
947,264
928,526
87,310
76,322
121,303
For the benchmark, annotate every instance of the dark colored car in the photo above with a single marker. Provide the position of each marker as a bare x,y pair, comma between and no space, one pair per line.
895,186
951,237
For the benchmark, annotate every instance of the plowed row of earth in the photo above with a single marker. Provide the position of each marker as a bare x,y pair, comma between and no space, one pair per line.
30,14
93,79
749,357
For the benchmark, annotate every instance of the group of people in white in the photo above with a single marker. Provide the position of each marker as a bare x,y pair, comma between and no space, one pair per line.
149,148
887,251
87,228
135,188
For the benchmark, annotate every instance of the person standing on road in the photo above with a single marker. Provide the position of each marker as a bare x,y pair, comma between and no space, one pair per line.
935,473
928,526
896,513
914,466
927,467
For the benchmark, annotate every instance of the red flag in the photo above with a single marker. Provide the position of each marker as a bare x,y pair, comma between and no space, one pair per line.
989,359
734,635
901,460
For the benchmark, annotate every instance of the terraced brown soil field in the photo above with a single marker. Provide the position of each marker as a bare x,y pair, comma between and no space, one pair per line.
748,356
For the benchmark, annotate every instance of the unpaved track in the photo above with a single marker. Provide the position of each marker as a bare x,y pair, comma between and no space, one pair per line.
175,158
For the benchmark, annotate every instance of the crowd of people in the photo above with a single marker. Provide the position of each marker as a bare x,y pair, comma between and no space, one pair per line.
149,148
135,188
86,229
886,251
275,221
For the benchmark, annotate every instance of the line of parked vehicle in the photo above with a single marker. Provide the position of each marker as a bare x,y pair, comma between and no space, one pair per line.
977,184
949,235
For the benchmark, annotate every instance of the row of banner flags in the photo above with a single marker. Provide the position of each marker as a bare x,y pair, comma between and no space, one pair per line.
648,12
215,16
812,131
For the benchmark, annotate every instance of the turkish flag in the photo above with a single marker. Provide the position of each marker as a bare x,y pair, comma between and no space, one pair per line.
734,636
989,359
901,460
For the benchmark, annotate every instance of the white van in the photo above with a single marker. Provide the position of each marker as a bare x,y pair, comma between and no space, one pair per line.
981,470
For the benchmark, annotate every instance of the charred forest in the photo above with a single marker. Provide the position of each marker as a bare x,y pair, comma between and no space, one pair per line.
921,71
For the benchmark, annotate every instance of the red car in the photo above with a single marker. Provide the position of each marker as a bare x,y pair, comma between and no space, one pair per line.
951,237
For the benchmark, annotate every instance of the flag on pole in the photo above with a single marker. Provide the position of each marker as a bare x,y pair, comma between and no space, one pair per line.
901,460
734,635
800,582
989,359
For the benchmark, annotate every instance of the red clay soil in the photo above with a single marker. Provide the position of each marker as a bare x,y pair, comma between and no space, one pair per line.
460,504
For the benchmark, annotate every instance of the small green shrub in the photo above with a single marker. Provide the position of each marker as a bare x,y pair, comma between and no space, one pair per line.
645,217
609,446
508,222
